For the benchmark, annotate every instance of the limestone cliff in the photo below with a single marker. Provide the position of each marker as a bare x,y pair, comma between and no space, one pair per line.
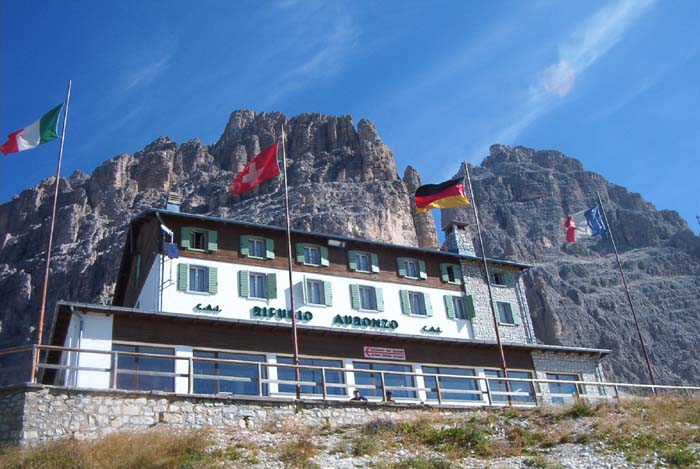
575,292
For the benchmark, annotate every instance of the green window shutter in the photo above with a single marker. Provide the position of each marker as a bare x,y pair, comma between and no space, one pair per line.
375,263
327,294
271,286
300,253
355,296
428,304
422,274
352,260
401,266
379,294
244,246
185,237
324,256
269,249
449,306
516,314
444,274
457,273
471,312
405,304
304,290
213,281
212,240
183,271
506,278
243,283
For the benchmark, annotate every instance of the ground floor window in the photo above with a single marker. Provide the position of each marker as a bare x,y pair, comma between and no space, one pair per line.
312,375
562,392
451,383
515,386
392,381
217,373
133,370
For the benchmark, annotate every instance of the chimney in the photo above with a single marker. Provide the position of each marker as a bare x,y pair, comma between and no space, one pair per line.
458,238
174,202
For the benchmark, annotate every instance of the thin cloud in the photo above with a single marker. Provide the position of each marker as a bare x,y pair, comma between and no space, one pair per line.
146,74
577,52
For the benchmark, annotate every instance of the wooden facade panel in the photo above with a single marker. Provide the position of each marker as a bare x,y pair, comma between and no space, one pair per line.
242,337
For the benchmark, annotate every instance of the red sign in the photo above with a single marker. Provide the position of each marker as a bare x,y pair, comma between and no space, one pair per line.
386,353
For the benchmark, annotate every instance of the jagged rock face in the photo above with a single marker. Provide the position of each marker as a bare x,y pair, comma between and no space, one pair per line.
342,180
575,291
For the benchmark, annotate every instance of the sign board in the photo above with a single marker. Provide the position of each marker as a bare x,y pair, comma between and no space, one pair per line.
385,353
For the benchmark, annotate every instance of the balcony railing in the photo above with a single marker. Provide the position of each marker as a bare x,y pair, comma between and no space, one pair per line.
477,390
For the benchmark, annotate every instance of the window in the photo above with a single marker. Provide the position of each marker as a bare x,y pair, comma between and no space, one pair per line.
132,369
515,386
258,288
463,389
499,278
318,292
257,247
246,376
411,268
367,298
392,381
257,285
451,273
312,254
563,393
363,262
460,308
198,239
197,278
415,303
312,376
505,313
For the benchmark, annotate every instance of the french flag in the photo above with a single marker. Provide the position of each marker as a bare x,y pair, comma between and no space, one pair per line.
584,224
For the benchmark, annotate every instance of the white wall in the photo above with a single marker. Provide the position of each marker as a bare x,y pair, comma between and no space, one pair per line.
233,306
149,295
89,331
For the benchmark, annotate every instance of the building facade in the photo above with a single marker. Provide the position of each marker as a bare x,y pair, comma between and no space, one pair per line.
203,305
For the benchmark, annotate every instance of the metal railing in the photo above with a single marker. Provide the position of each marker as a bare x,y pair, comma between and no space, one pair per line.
109,370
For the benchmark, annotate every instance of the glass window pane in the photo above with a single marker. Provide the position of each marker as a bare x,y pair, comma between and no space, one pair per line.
363,262
312,375
214,385
139,364
569,389
390,380
447,383
519,386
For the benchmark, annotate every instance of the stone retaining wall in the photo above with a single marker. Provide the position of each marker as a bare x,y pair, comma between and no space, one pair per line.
32,414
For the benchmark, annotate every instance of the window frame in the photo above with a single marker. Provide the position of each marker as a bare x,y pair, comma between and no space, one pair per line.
321,292
461,312
205,273
499,278
372,298
416,300
254,242
263,278
425,304
510,314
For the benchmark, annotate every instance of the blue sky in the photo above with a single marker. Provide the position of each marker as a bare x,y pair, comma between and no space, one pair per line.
615,84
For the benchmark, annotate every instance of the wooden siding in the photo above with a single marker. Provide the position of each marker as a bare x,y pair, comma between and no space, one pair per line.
243,337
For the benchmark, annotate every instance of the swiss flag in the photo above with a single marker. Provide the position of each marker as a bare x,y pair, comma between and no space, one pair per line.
260,169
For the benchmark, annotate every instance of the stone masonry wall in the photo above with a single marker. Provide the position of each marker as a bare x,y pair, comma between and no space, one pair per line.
51,413
475,285
586,368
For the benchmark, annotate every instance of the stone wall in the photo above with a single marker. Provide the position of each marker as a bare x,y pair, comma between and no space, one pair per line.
33,414
475,285
583,366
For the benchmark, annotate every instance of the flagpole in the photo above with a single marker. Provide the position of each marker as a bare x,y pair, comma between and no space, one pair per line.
488,282
297,373
42,311
627,291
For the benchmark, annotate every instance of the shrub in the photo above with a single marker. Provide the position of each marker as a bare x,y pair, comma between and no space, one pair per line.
679,457
297,453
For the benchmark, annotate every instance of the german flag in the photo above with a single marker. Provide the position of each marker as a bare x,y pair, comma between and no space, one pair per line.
447,194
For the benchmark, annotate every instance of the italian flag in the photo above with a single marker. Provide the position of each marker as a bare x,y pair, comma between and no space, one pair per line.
33,135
